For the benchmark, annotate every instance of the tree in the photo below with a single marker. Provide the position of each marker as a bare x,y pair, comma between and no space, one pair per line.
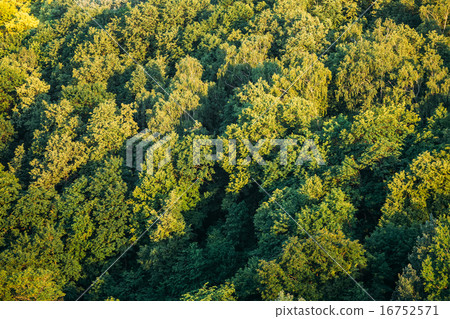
388,248
11,77
370,97
15,19
426,278
436,13
314,207
223,293
96,218
7,133
186,90
303,269
384,67
9,190
107,129
420,193
29,285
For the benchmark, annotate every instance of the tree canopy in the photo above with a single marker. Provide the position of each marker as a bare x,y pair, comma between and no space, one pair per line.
78,79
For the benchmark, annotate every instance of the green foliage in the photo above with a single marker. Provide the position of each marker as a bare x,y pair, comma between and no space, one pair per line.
223,293
375,103
436,13
388,248
384,67
15,20
7,132
9,190
11,77
426,278
29,285
421,192
107,129
303,268
186,90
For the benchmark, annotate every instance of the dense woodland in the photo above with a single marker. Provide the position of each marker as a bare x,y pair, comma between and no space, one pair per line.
78,78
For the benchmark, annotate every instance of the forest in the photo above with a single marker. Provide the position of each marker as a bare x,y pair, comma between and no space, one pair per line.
367,82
